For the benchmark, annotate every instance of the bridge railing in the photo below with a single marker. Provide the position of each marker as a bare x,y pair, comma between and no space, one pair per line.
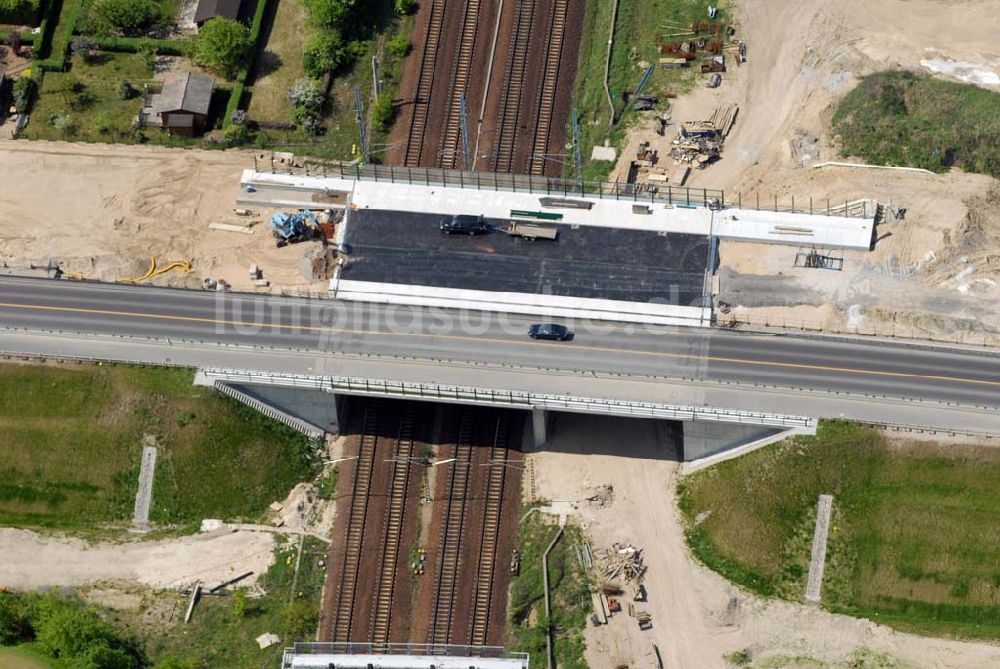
507,398
678,196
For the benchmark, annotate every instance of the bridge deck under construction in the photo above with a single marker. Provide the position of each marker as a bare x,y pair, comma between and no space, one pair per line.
586,261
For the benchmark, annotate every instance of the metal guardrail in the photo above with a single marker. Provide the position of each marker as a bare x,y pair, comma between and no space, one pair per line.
507,398
525,183
680,196
872,331
919,429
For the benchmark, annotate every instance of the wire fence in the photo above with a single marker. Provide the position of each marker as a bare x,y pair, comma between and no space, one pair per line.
676,196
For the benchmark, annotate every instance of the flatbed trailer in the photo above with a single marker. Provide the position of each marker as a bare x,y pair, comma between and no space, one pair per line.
531,232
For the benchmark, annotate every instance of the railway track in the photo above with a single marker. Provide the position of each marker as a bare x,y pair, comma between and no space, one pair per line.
459,83
393,531
490,532
425,84
510,102
361,490
449,552
547,96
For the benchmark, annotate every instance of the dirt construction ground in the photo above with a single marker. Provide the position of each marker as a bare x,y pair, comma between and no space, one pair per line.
37,561
938,271
698,616
103,210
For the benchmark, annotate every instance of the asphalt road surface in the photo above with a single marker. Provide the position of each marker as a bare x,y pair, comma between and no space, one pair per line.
894,370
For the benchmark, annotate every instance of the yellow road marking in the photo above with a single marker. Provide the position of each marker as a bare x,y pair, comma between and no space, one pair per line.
534,344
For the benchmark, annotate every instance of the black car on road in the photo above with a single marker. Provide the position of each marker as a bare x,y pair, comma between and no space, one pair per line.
550,331
464,224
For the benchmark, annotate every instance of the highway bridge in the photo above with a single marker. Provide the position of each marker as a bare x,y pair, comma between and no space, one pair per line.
654,371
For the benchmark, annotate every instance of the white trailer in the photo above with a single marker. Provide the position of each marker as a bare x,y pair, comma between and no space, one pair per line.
531,232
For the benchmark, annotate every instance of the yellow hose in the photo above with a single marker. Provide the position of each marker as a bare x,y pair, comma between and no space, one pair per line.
182,265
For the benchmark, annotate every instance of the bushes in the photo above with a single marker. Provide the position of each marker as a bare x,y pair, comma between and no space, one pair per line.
306,96
223,46
324,52
123,17
14,624
16,11
236,97
382,112
235,100
65,629
329,13
25,89
405,7
399,46
901,118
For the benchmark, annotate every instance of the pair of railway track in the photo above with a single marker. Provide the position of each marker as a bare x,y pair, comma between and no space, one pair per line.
457,534
390,545
454,537
511,116
449,153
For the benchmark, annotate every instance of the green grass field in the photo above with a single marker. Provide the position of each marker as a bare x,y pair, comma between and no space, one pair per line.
94,112
71,440
280,64
901,118
915,534
636,29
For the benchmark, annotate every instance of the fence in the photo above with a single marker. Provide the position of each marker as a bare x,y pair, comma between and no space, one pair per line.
436,392
677,196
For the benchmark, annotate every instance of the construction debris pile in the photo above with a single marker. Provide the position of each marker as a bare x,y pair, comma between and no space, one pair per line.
713,40
699,143
622,560
600,495
620,563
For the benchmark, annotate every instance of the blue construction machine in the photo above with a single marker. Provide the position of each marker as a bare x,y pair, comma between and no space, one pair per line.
291,228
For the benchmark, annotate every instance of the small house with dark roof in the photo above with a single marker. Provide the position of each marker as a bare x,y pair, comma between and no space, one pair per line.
182,105
209,9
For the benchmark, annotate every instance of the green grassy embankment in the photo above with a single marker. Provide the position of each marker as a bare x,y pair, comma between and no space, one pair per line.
71,442
915,534
905,119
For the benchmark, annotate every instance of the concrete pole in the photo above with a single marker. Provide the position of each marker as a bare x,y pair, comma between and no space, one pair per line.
539,419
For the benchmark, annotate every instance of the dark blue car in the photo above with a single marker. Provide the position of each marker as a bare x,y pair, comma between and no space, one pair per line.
550,331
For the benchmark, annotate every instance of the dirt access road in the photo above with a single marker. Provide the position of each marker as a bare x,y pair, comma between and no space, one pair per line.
102,210
698,616
31,560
